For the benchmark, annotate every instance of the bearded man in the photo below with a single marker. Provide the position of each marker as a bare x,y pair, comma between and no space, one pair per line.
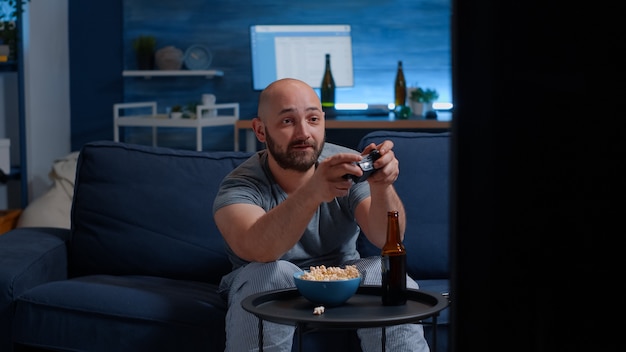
290,207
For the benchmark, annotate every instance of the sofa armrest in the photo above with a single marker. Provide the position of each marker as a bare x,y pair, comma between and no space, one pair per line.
29,256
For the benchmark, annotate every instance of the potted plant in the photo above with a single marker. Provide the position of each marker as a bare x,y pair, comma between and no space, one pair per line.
189,112
176,112
421,100
145,46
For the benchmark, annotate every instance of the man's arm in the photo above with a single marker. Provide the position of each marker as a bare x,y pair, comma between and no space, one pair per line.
256,235
371,213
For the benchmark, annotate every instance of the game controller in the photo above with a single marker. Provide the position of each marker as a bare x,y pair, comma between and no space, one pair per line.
367,165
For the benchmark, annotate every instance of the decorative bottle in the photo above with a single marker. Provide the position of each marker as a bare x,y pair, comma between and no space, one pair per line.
393,259
328,86
400,87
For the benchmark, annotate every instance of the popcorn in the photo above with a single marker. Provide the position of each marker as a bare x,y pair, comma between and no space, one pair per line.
322,273
318,310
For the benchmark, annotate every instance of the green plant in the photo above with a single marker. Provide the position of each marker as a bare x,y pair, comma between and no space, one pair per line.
16,8
191,106
144,51
421,95
144,44
189,112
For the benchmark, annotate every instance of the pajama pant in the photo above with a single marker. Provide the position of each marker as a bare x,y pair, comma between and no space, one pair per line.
242,327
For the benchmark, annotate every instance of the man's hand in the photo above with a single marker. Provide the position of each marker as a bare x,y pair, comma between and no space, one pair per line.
387,166
329,181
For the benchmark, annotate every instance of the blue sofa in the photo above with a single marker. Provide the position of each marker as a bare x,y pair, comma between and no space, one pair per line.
139,269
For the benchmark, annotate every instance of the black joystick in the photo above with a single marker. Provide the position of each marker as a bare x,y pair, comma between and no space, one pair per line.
367,165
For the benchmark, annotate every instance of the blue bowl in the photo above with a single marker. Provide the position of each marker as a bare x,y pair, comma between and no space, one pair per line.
326,293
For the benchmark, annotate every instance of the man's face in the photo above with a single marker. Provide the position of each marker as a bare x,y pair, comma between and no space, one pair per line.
294,156
294,127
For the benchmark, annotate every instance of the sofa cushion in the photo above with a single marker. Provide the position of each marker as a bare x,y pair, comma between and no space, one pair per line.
423,185
121,313
140,210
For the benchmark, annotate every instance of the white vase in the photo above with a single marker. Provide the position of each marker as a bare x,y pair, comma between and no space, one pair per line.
420,109
169,58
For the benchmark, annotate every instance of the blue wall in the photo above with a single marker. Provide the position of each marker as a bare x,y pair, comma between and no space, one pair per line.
96,56
416,32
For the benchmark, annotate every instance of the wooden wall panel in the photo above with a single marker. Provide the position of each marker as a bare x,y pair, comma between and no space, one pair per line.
383,32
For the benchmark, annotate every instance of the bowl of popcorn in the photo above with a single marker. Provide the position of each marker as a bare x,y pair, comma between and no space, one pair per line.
328,286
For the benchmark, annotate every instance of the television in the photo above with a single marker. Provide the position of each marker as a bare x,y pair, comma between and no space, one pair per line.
299,51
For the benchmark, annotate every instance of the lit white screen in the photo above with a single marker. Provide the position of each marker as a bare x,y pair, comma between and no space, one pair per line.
299,51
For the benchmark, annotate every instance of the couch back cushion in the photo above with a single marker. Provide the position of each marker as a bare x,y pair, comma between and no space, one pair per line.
140,210
423,185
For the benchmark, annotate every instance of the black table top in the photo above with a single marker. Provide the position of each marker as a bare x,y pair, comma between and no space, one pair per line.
364,309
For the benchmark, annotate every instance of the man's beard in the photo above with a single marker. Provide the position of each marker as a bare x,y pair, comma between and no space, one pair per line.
289,159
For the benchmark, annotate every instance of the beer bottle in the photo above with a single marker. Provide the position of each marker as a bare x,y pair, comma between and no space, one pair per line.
393,260
328,87
400,87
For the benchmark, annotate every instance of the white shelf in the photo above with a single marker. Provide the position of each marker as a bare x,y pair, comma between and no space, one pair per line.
155,120
172,73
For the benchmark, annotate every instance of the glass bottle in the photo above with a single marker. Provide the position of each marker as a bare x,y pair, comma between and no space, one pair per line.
400,87
393,260
328,86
